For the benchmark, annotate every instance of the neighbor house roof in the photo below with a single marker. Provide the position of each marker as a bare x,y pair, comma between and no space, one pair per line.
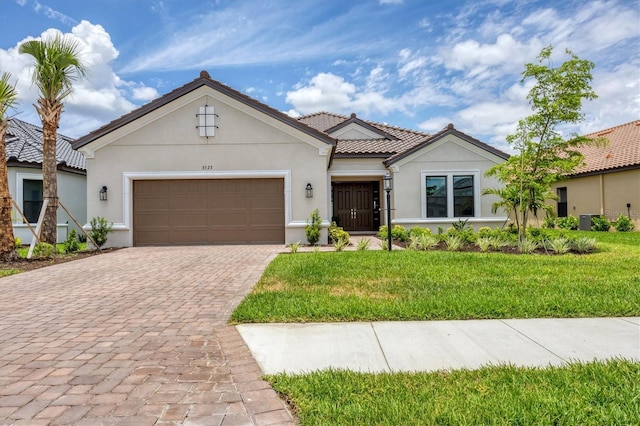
397,142
24,146
203,80
621,152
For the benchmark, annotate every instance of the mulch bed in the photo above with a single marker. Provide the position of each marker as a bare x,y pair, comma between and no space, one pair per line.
31,264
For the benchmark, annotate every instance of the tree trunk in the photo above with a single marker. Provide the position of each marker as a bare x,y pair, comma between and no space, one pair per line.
50,115
7,241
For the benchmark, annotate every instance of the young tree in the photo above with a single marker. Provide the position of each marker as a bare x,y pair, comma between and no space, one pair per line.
8,96
544,156
56,65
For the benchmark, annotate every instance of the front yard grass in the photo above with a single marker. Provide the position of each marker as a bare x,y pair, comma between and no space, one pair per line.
597,393
439,285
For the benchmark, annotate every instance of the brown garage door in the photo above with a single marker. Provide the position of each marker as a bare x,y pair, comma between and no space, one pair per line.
197,211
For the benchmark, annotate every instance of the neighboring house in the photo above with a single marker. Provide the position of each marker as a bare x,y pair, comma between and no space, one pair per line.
609,181
24,162
208,164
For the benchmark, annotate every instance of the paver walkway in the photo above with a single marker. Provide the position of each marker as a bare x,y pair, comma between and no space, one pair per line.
134,337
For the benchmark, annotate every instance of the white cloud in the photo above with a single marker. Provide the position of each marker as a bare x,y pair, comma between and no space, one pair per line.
53,14
96,99
144,94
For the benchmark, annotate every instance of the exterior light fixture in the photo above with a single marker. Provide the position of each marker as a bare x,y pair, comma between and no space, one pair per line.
308,191
629,210
103,193
388,186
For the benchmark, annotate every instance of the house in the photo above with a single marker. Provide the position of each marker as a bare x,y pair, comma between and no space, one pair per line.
609,181
24,165
207,164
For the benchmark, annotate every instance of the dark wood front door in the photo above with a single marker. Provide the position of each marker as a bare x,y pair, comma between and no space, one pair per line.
356,205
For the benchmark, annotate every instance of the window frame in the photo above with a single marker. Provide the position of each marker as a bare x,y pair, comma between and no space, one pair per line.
449,175
20,178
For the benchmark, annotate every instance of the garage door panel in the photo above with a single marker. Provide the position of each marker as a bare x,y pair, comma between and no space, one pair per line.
189,219
194,211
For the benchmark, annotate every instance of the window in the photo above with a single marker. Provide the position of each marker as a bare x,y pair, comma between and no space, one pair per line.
450,194
436,196
562,201
463,196
31,199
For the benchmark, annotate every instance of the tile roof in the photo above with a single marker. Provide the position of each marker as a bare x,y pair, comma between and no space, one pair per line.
24,145
400,143
622,151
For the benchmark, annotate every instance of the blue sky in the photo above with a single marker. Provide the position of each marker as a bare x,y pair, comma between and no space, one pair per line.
411,63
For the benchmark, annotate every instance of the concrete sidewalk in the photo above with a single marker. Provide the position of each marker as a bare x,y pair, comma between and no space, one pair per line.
439,345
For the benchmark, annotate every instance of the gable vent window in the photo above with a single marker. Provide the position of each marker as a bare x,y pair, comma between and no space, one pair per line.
206,121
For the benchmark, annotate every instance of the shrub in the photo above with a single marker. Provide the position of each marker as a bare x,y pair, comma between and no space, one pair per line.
384,244
399,233
18,241
44,250
484,231
382,232
462,225
600,224
312,230
538,234
549,222
569,222
71,244
417,231
623,224
336,233
100,229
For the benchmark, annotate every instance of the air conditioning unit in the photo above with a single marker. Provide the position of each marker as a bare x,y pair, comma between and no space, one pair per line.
585,221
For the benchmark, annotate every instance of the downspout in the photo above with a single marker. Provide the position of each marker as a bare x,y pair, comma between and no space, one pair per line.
602,194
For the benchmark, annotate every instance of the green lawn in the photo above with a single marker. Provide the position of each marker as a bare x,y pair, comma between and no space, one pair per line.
599,393
438,285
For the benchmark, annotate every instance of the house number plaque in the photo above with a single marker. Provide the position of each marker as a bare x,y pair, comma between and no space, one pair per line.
207,167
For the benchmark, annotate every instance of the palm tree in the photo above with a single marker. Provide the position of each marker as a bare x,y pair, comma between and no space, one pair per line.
8,96
57,64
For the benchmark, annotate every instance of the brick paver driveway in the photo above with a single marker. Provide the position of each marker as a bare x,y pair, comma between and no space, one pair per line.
137,337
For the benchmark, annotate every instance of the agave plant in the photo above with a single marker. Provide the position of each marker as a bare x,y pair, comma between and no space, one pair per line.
484,243
560,245
363,244
454,243
527,246
584,244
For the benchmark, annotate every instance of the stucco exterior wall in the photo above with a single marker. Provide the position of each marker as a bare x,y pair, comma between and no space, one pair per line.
166,144
72,191
606,194
449,156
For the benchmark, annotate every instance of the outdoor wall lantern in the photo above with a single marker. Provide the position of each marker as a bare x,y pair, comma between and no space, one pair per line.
629,210
388,186
308,191
103,193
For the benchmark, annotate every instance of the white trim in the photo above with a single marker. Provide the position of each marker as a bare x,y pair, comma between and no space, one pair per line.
129,177
449,176
448,220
